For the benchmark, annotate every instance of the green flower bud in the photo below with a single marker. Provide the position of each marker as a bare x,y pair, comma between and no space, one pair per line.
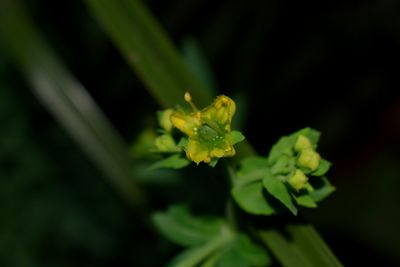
164,119
308,158
165,143
284,165
302,143
298,180
143,144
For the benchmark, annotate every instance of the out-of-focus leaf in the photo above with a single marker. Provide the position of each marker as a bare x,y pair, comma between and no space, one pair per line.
161,177
278,190
172,162
305,201
211,261
149,51
179,226
251,164
66,99
197,254
250,198
301,246
251,170
322,192
197,63
242,252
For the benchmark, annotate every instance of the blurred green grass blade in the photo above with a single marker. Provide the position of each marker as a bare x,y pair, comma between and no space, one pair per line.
149,51
151,54
300,245
196,61
66,99
221,28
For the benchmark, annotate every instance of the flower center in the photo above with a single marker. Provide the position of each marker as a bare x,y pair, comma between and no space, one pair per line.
208,134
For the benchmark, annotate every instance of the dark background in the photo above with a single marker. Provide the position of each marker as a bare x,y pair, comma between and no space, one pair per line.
333,67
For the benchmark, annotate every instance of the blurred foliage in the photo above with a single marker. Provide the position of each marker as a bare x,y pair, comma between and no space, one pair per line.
54,209
331,70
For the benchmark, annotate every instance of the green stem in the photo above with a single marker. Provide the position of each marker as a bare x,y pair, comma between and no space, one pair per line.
230,212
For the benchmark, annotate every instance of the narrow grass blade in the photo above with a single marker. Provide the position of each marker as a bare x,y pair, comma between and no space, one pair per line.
149,51
66,99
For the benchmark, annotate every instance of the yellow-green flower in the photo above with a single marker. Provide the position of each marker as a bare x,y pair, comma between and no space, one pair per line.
208,130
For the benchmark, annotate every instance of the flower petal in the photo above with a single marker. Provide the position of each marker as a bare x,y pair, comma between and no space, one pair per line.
186,123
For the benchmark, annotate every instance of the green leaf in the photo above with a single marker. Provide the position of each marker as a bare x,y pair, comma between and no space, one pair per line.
252,163
172,162
180,227
212,260
230,258
251,170
190,257
193,256
278,189
305,201
158,177
254,254
250,198
243,252
323,168
183,142
322,192
236,137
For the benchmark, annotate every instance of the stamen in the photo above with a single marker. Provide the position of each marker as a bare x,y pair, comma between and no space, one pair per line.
188,98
